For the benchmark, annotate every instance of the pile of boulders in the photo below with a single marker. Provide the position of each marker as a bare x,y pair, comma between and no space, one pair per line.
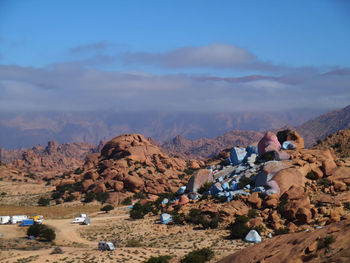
289,186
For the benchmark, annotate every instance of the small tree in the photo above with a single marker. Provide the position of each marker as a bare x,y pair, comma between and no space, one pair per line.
102,197
107,208
89,197
43,201
42,231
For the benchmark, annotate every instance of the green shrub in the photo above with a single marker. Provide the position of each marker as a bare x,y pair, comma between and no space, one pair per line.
259,229
139,196
311,175
102,197
281,231
347,205
133,243
252,213
325,242
127,201
43,201
41,231
159,259
198,256
138,211
189,171
244,181
69,198
205,187
56,195
89,197
107,208
239,228
324,182
281,205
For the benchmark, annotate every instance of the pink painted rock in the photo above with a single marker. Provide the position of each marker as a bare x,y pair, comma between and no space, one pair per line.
268,143
183,200
274,186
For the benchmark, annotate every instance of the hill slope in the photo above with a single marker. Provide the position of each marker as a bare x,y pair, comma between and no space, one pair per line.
206,148
329,123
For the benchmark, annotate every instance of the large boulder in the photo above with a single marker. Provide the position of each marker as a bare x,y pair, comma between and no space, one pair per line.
201,177
288,177
291,135
133,182
268,143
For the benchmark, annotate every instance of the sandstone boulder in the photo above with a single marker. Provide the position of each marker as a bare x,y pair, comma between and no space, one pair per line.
288,177
201,177
291,135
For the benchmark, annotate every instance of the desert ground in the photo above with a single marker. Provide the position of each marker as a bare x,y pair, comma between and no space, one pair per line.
135,240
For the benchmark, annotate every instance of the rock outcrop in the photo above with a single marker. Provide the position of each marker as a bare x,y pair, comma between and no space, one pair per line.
130,164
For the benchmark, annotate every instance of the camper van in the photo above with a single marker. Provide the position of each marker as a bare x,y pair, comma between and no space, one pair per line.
103,245
4,220
80,219
18,218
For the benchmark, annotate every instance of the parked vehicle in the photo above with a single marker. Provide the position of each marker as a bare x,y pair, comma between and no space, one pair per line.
27,222
38,219
103,245
86,221
5,220
80,219
18,218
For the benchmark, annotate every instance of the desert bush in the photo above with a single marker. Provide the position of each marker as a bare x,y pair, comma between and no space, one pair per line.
89,197
252,213
205,187
57,250
43,201
281,231
102,197
189,171
347,205
239,228
41,231
56,195
159,259
69,198
133,243
198,256
138,211
325,242
259,229
107,208
324,182
139,196
311,175
127,201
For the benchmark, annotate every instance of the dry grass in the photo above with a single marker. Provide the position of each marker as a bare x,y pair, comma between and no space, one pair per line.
53,212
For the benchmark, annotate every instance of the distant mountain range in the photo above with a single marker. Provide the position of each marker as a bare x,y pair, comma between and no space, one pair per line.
320,127
28,129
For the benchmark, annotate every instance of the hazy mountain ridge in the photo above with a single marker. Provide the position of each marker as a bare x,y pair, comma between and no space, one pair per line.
28,129
324,125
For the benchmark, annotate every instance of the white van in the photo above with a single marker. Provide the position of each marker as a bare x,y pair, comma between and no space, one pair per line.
103,245
4,220
79,219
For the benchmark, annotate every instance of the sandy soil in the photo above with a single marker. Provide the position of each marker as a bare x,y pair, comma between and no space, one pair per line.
136,240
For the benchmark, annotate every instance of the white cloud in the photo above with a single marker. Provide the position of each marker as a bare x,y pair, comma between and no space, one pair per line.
72,87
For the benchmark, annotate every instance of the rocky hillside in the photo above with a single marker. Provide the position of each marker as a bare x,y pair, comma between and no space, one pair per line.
207,148
319,128
329,244
339,142
128,164
53,159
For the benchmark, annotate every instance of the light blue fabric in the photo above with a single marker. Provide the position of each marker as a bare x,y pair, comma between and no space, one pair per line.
253,236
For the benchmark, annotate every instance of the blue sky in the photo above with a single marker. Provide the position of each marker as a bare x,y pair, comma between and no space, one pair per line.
157,49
